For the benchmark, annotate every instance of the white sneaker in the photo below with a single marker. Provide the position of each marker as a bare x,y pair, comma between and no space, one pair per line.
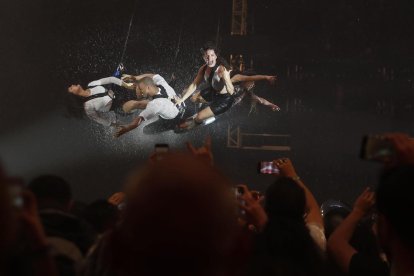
209,120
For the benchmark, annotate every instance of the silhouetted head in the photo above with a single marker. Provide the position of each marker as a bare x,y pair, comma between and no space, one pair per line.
285,198
51,191
180,219
101,215
394,198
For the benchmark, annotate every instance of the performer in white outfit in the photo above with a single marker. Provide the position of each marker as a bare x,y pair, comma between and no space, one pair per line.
161,102
100,100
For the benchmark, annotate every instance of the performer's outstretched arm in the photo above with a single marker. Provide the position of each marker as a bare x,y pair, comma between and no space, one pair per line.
111,80
126,77
121,130
131,105
193,86
243,78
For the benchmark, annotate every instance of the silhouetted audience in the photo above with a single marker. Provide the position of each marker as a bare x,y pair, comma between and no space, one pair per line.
395,208
54,197
353,244
24,249
180,219
180,216
69,236
293,241
101,214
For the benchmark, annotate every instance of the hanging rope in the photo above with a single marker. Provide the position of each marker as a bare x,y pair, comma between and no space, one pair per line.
129,31
218,33
179,41
120,68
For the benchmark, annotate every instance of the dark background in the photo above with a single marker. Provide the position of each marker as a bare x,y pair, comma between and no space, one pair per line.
345,69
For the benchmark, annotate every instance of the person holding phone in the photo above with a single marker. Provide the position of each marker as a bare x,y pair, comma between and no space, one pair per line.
394,206
292,241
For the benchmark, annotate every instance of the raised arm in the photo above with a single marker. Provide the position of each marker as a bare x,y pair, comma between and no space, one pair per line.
111,80
287,170
108,80
227,80
242,78
193,86
338,243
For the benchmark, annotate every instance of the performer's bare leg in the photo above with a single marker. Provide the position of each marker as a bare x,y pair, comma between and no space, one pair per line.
264,102
198,119
203,115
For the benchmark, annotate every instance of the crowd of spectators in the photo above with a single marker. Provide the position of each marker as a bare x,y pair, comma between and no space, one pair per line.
180,215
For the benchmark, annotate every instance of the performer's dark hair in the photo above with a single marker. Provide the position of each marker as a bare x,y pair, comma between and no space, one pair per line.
74,106
210,46
220,60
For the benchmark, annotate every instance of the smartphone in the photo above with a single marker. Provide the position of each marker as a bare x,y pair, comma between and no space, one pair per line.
161,148
267,167
238,191
15,192
377,148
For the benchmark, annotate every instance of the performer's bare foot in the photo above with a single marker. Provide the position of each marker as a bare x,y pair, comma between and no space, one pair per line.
275,108
186,125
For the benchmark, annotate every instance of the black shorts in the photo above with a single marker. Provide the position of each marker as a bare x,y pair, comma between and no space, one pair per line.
221,103
207,94
120,98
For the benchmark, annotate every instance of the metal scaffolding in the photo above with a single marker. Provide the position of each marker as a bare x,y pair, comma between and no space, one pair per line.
274,142
239,17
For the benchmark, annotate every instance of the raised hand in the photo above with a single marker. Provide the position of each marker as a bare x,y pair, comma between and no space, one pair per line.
254,212
286,167
117,198
204,152
127,78
271,79
364,202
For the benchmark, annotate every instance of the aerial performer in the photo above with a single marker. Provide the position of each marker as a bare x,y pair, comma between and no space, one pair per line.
161,102
105,97
218,91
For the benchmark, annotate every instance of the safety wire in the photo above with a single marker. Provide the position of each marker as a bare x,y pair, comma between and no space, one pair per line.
129,31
